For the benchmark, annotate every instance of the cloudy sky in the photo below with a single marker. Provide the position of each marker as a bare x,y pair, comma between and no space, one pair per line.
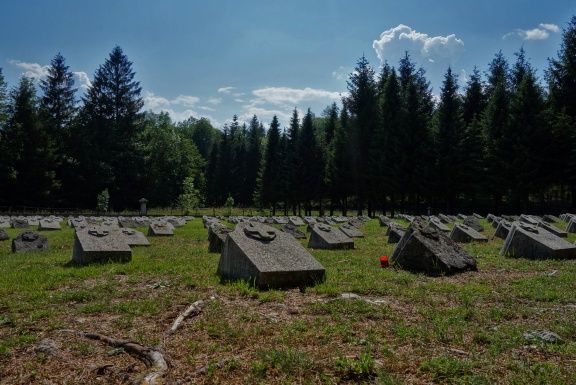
219,58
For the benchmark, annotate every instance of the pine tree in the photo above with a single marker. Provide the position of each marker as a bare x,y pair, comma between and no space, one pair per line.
311,170
293,162
111,126
270,175
253,156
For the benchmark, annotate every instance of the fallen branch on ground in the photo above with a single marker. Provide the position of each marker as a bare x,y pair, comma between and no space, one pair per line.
192,310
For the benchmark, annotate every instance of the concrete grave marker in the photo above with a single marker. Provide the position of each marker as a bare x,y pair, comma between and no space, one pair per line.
327,237
571,227
551,218
160,229
395,232
4,235
217,234
464,234
445,219
310,220
280,220
30,241
49,224
19,223
553,229
527,241
351,231
4,223
296,221
134,237
268,257
423,249
95,244
356,222
383,220
293,230
473,222
502,229
437,224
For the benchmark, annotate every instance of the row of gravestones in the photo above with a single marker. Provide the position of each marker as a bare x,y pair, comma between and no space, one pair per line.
294,220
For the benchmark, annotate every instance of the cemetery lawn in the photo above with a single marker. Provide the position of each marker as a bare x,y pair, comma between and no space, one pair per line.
404,329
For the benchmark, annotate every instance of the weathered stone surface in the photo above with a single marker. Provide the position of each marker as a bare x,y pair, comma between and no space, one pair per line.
461,216
328,220
4,235
78,223
207,221
437,224
473,222
296,221
134,237
217,234
491,217
527,241
49,224
365,218
280,220
356,222
293,230
95,244
395,232
19,223
30,241
571,227
268,257
445,219
310,220
528,219
327,237
553,229
383,220
339,219
543,335
160,229
503,229
423,249
392,225
464,234
551,218
176,222
351,231
478,216
110,225
4,223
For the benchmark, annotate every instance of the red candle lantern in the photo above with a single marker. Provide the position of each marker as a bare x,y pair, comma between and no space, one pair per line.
384,261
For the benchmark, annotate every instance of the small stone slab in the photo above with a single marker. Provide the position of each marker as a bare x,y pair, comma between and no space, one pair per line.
78,223
339,219
461,216
207,221
49,224
383,220
437,224
553,229
395,232
551,218
217,234
526,241
365,218
176,222
5,223
473,222
491,217
351,231
19,223
4,235
310,220
328,221
445,219
543,335
356,222
478,216
160,230
571,227
134,237
528,219
296,221
95,244
323,236
280,220
423,249
262,254
464,234
30,241
293,230
111,225
503,229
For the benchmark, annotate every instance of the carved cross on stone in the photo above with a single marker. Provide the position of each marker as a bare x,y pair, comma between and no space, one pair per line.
259,233
98,232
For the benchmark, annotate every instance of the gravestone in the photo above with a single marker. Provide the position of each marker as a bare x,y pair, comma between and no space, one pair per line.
49,224
491,217
280,220
4,223
339,219
159,229
464,234
553,229
19,223
423,249
502,229
327,237
30,241
296,221
111,225
356,222
551,218
473,222
95,244
478,216
395,232
293,230
78,223
461,217
571,227
527,241
176,222
365,218
268,257
445,219
435,223
127,222
351,231
207,221
217,234
4,235
310,220
383,220
133,237
528,219
329,221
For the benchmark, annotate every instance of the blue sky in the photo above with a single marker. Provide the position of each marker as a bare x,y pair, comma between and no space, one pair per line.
219,58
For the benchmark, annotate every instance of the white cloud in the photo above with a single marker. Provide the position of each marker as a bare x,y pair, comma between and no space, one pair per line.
32,70
214,101
83,79
341,73
154,102
225,90
186,100
292,96
394,42
540,33
204,108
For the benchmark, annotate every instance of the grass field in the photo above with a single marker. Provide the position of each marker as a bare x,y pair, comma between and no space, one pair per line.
405,328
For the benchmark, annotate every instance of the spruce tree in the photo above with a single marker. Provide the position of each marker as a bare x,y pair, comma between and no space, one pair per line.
253,156
311,170
269,181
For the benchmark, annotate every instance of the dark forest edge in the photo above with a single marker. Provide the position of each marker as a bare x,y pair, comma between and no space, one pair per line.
504,143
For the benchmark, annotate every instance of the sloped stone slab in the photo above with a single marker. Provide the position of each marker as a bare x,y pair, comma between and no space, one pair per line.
280,220
445,219
528,219
4,223
473,222
160,230
503,229
97,245
176,222
293,230
49,224
551,218
30,241
383,220
310,220
526,241
19,223
327,237
351,231
395,232
268,257
111,225
426,250
217,234
4,235
134,237
464,234
571,227
553,229
296,221
78,223
356,222
437,224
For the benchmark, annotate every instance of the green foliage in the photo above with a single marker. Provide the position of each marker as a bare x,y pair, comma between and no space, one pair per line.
189,199
103,201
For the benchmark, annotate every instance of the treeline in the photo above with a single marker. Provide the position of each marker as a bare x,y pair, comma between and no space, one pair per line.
391,146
